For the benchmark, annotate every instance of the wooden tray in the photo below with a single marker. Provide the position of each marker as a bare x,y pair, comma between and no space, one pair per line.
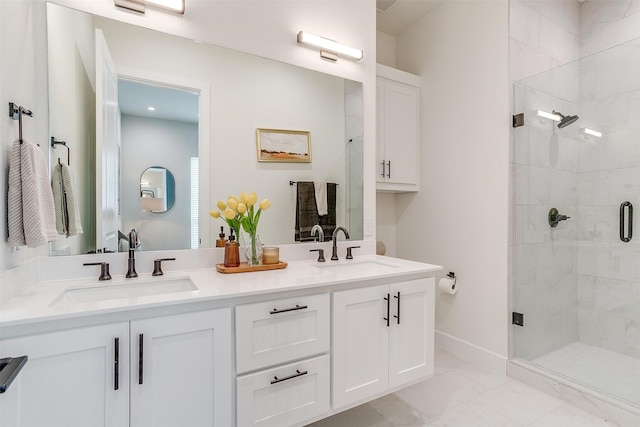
245,268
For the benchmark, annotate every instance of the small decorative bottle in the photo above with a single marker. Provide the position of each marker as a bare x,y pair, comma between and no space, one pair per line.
221,241
232,252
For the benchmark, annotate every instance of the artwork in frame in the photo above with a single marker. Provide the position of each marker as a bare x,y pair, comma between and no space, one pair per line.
277,145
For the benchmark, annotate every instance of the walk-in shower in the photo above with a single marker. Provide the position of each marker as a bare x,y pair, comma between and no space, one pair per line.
576,265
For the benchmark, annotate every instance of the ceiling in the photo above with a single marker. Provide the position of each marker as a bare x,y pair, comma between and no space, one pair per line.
134,98
395,16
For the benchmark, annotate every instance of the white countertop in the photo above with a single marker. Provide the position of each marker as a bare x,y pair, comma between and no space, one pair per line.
46,301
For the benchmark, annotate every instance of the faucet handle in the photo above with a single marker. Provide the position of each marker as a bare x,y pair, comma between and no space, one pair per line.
157,266
320,254
104,269
349,255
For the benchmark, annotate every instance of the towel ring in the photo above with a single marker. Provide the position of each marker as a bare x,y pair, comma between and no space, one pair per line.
55,142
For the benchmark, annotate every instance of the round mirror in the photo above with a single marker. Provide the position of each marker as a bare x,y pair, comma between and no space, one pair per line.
157,190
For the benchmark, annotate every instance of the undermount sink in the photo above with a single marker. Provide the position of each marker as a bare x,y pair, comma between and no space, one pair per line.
130,289
348,266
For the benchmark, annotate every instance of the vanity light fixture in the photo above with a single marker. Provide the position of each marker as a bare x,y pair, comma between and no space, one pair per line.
592,132
139,5
329,49
551,116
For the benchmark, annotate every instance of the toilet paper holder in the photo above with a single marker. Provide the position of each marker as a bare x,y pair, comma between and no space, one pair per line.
452,275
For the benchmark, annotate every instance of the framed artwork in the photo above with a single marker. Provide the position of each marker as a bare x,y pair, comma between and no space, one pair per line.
277,145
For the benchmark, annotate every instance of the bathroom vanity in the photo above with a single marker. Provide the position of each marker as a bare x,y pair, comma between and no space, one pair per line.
198,348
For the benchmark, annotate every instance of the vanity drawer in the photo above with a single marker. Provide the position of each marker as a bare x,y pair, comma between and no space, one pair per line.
274,332
284,395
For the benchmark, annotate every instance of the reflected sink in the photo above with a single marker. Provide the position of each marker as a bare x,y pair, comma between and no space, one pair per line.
126,290
347,267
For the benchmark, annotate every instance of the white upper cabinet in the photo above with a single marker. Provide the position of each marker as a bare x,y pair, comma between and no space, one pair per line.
398,130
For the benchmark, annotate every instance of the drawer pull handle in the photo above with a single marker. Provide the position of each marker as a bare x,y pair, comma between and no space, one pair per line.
290,377
284,310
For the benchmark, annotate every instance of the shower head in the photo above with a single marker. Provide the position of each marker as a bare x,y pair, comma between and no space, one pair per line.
565,120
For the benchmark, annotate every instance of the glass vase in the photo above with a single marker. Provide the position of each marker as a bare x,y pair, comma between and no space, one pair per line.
253,249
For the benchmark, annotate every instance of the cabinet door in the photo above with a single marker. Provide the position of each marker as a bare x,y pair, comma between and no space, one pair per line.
412,332
69,379
381,174
360,344
401,132
181,370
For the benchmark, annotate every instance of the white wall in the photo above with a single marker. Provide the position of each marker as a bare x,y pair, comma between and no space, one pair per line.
386,49
266,28
148,142
23,80
460,218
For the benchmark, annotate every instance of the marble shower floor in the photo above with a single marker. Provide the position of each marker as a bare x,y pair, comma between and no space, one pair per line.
462,394
604,370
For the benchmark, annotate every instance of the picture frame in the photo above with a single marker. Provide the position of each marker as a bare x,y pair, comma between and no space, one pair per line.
279,145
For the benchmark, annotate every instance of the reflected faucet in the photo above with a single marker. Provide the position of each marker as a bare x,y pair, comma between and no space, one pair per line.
334,253
316,229
131,262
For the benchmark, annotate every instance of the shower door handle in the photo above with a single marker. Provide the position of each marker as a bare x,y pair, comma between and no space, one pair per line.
628,213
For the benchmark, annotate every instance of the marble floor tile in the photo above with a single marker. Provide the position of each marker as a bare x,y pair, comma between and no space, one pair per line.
462,394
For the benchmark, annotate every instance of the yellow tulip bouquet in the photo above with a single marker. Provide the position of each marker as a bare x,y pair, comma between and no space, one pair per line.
241,212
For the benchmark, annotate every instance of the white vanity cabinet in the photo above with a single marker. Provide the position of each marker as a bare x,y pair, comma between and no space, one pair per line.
398,131
282,360
382,339
71,378
181,375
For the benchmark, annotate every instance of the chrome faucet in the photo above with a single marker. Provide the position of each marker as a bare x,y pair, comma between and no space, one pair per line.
131,262
316,229
334,253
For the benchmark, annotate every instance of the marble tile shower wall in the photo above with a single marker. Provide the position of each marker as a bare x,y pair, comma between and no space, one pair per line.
604,24
543,35
545,274
608,174
599,271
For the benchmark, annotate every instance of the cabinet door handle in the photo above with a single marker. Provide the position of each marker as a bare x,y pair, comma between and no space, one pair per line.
116,363
388,299
140,358
389,169
296,375
284,310
629,235
383,169
398,315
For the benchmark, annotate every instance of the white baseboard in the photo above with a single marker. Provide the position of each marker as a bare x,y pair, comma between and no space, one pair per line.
471,352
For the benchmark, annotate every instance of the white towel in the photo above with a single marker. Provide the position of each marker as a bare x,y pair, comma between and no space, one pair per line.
31,215
321,197
64,199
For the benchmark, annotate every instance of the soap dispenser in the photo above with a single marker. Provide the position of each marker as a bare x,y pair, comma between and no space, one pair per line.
232,252
221,241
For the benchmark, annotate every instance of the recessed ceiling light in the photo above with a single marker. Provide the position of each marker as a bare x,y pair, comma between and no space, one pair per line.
151,108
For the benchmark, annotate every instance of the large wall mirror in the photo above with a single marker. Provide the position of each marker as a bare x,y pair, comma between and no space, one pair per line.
126,99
